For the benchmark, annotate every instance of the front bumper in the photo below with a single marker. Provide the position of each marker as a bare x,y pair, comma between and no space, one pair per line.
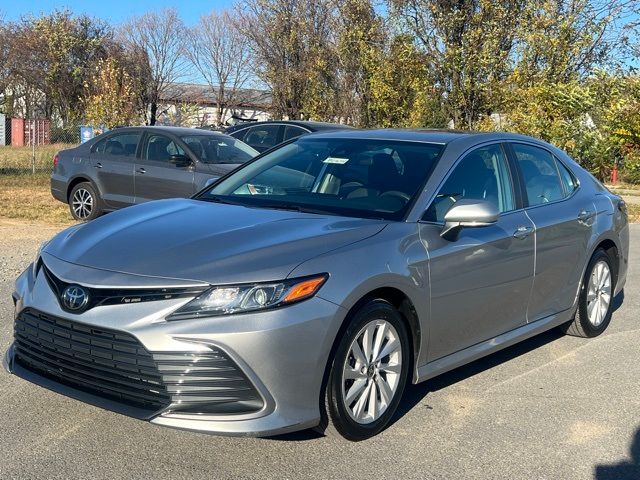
282,352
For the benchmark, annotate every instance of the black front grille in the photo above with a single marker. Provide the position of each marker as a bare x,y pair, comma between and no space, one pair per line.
116,366
106,363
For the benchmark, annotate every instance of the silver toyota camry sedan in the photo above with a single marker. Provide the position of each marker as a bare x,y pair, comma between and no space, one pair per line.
306,288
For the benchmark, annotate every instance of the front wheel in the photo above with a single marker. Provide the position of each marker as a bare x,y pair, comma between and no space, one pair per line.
368,373
595,299
84,202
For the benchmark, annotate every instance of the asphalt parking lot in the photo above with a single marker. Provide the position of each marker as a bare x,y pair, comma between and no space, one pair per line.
553,407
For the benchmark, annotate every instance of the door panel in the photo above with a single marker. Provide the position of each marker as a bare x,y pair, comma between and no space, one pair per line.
563,218
480,284
113,159
156,177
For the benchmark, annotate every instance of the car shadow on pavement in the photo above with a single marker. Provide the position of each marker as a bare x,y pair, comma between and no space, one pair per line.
414,394
625,470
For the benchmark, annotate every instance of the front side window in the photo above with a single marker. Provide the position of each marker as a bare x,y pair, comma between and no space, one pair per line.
483,175
161,149
540,174
291,131
121,144
351,177
219,148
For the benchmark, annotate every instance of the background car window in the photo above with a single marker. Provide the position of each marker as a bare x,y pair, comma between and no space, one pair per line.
160,149
568,180
481,175
292,132
219,149
261,137
540,174
122,144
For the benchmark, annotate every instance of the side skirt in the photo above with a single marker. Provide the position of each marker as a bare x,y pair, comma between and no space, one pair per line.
482,349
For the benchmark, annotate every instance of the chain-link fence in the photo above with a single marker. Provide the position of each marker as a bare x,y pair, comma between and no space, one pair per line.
27,146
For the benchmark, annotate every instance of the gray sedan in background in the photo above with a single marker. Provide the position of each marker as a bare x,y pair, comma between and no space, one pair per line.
132,165
306,288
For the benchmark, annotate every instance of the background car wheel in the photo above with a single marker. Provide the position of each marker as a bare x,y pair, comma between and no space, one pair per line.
367,374
84,202
596,297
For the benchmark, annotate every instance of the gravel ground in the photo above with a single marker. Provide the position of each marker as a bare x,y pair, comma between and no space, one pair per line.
552,407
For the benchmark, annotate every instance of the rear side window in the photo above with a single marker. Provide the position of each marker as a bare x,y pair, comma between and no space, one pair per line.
568,180
540,173
121,144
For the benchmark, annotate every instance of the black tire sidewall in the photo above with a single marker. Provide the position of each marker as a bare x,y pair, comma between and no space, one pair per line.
346,426
586,325
96,209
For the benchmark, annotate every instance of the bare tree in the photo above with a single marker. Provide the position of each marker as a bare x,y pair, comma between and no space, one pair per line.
161,36
221,55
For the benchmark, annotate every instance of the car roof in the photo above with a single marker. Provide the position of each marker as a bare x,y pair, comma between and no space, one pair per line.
168,129
308,124
440,136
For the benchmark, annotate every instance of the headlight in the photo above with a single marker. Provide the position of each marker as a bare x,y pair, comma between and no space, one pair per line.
228,299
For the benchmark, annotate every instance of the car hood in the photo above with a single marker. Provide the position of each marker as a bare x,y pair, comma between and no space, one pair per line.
209,242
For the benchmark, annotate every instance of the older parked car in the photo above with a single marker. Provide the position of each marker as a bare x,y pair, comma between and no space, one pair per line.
265,135
136,164
306,288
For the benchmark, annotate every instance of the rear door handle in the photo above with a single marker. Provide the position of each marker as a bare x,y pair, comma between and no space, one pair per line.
141,171
522,232
98,165
585,215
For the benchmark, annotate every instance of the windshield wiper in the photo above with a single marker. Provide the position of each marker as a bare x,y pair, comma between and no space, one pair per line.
218,199
295,208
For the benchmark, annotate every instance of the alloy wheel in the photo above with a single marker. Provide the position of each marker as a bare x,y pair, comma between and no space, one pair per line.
599,293
371,372
82,203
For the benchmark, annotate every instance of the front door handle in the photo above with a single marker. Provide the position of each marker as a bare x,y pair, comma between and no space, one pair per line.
585,215
141,171
522,232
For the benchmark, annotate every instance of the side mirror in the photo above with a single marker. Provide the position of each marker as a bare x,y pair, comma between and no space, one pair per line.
180,161
468,214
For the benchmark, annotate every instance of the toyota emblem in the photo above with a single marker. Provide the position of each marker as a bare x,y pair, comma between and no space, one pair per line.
74,298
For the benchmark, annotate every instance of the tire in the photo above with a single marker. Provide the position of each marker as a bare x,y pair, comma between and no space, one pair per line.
84,202
341,410
594,297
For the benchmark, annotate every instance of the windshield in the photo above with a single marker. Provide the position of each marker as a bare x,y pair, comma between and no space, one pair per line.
219,148
350,177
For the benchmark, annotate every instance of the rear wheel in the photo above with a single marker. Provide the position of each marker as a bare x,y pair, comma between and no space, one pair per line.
84,202
368,373
595,300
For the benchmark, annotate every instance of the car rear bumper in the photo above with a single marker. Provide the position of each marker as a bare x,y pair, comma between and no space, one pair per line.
59,188
280,353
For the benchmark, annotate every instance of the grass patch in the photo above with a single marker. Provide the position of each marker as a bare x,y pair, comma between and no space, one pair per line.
28,197
15,160
633,210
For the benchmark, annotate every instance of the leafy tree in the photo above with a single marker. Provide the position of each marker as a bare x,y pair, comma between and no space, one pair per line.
112,98
50,57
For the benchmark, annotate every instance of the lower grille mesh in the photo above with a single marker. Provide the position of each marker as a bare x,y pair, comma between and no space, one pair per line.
116,366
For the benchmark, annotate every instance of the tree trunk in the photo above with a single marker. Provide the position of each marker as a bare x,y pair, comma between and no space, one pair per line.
154,112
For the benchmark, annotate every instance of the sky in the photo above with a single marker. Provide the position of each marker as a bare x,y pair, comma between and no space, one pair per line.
115,11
